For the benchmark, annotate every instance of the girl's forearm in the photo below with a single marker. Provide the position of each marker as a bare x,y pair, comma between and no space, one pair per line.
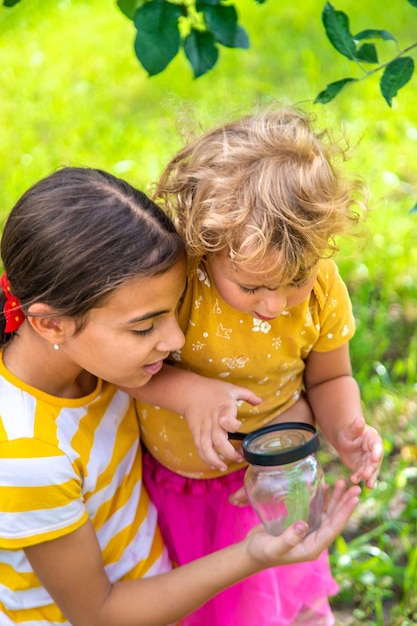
168,388
71,569
166,598
335,404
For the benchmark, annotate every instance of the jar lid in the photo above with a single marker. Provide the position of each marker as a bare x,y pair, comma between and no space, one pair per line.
279,444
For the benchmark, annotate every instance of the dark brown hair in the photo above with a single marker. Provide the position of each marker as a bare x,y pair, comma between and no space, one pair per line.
77,235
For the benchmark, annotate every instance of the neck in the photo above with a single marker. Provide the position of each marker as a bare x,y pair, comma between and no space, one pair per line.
34,361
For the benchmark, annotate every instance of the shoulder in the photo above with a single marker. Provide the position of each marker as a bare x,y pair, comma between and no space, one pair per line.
327,272
328,282
197,270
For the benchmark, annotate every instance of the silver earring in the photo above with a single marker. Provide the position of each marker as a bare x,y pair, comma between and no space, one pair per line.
56,346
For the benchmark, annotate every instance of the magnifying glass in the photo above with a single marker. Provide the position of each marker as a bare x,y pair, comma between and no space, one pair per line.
284,481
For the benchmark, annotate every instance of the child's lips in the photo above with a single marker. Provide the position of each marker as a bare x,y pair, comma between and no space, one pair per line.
153,368
263,317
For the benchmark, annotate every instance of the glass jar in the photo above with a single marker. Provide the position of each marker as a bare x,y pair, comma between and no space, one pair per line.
284,481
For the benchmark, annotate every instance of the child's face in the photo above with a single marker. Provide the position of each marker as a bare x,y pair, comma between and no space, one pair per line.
256,290
126,339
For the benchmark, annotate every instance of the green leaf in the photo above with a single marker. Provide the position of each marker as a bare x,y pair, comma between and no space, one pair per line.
241,38
413,3
10,3
336,24
367,53
221,21
396,75
158,38
331,91
201,51
414,209
372,33
129,7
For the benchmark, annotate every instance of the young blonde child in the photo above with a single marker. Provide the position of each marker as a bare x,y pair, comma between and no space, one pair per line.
93,274
259,202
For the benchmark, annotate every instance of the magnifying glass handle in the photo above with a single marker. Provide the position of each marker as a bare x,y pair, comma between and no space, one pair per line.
239,436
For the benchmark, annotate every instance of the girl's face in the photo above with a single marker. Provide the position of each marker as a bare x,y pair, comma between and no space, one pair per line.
256,290
126,339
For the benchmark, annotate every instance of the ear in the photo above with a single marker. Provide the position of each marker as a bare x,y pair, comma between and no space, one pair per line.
47,323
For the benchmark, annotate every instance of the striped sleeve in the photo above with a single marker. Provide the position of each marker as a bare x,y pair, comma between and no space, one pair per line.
40,494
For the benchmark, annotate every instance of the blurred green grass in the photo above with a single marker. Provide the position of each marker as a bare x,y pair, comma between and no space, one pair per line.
72,93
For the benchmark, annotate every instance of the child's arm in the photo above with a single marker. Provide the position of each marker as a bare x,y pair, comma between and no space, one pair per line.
71,570
300,411
208,405
210,408
334,397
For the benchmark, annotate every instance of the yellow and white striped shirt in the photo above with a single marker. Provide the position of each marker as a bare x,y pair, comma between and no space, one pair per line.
63,461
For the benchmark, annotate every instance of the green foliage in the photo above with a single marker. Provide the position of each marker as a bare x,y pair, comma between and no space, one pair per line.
332,89
396,72
336,24
201,51
396,75
157,22
377,567
199,27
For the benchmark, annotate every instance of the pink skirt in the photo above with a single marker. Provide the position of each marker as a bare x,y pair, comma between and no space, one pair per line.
196,519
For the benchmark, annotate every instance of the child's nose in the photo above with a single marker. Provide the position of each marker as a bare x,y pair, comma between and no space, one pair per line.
173,338
274,303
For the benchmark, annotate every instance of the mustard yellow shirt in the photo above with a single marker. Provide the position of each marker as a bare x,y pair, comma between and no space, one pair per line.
267,357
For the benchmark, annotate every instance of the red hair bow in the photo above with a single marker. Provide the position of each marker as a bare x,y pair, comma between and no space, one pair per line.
12,308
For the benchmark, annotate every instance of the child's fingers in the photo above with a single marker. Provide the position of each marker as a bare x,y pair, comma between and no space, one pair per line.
293,535
371,478
337,520
337,498
377,452
371,482
239,497
204,444
245,395
332,497
356,428
340,506
369,470
339,509
294,545
229,423
213,443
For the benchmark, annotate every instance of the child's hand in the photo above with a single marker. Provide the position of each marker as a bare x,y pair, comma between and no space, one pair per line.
239,498
293,546
211,412
361,450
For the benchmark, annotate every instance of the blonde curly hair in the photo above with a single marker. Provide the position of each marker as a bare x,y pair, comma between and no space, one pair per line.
265,183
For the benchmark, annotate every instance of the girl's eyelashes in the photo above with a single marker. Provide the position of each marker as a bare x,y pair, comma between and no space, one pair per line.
146,332
250,290
296,285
